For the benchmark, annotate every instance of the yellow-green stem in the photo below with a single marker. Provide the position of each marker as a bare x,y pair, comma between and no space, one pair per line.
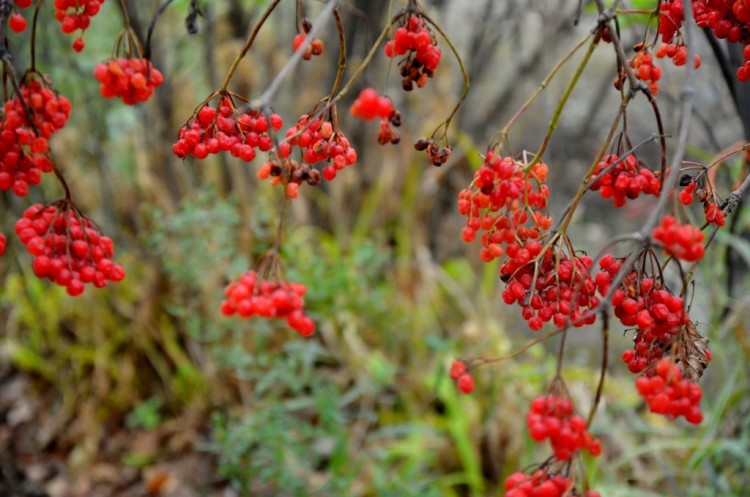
467,84
563,100
248,44
504,132
585,183
342,53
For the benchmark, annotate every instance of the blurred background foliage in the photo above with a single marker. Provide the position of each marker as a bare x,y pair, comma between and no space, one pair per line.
146,377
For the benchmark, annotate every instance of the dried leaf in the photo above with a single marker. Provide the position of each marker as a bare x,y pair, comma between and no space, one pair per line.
690,349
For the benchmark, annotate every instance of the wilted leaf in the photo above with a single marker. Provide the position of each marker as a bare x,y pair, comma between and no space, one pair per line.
691,350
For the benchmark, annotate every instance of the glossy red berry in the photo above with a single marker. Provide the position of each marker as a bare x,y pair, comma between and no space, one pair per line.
465,383
17,22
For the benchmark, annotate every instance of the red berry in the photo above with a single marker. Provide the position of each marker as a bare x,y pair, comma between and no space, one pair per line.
78,44
17,22
465,383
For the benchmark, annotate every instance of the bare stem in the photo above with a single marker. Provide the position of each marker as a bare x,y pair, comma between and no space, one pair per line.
570,209
264,100
467,84
33,35
342,53
734,198
249,43
605,18
603,371
504,132
489,360
561,103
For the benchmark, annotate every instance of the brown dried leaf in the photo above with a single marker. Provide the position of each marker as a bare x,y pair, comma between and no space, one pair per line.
690,349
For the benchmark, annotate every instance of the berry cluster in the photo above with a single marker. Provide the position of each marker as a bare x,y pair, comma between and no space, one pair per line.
506,202
462,377
728,19
253,296
131,79
318,142
423,54
3,242
552,417
688,194
314,48
556,288
645,70
678,54
370,105
211,131
542,484
75,15
438,155
23,145
626,180
67,248
643,303
683,241
667,392
713,212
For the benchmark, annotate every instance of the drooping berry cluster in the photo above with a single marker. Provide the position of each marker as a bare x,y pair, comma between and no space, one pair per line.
211,131
67,248
370,105
683,241
728,19
75,15
252,295
543,484
23,144
667,392
315,47
714,213
711,209
423,54
626,180
556,288
131,79
552,417
507,203
462,377
438,155
677,52
645,69
688,194
318,142
645,304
